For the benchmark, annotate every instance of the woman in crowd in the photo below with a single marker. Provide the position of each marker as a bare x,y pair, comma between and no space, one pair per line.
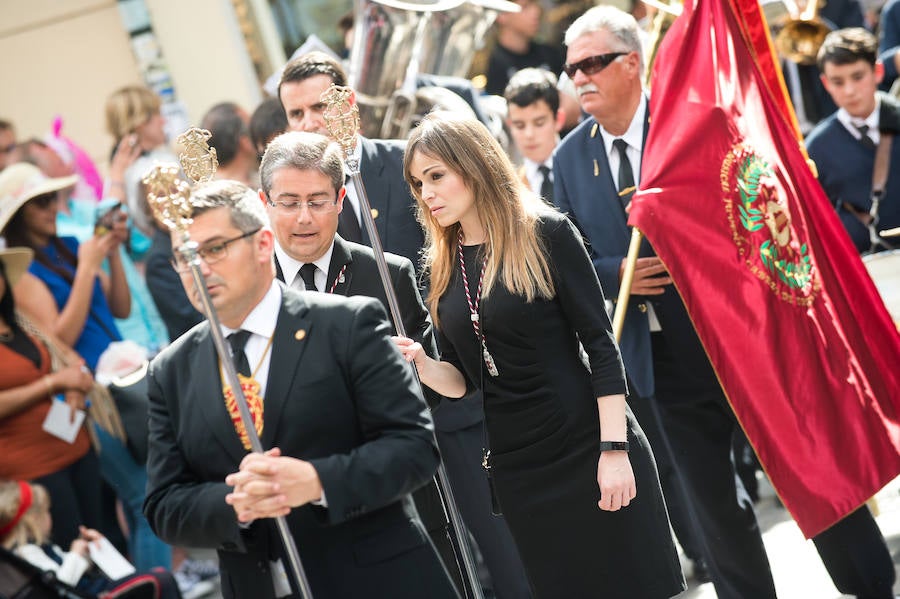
81,315
513,292
133,116
28,387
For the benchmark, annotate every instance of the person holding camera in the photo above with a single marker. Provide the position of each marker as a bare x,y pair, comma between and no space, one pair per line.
74,298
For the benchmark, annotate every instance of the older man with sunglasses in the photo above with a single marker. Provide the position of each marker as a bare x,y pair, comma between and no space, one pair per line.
675,393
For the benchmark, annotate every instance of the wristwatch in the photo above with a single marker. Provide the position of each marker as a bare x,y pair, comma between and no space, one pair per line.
613,446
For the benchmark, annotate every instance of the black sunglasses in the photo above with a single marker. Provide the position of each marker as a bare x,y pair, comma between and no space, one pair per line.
592,64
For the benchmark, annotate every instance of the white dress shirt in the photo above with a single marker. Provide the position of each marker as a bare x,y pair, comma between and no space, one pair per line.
634,137
851,123
534,175
290,268
261,324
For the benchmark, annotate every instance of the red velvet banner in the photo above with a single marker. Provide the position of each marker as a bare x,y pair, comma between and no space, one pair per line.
801,342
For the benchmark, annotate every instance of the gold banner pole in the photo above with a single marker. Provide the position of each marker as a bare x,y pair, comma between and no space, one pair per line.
625,286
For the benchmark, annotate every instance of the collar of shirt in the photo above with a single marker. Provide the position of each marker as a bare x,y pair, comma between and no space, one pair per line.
534,176
351,191
634,137
261,324
872,121
290,267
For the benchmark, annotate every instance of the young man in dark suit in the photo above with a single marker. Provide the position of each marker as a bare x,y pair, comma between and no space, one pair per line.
844,145
345,424
303,81
309,254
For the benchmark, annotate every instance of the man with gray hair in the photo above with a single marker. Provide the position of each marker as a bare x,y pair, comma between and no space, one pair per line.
596,170
347,432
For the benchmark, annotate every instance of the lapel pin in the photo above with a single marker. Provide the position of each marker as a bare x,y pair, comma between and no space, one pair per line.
341,277
594,130
596,168
300,335
374,212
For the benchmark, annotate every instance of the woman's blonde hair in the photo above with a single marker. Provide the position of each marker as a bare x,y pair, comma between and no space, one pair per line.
507,210
128,108
29,529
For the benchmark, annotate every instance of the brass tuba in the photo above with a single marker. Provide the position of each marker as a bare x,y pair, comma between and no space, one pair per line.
799,37
394,40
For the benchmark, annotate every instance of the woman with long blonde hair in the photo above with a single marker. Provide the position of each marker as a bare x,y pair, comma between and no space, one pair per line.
514,296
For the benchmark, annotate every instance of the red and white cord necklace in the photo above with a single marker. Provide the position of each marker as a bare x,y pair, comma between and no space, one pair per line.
338,279
474,306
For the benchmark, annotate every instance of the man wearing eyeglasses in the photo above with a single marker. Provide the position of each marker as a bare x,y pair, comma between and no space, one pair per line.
345,427
675,393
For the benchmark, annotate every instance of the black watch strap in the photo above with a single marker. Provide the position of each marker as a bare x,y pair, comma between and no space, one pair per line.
613,446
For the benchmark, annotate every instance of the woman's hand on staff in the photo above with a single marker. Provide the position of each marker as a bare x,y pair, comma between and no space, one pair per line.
412,351
616,480
442,377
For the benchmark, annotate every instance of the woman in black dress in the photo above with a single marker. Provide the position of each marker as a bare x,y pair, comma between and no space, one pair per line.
513,292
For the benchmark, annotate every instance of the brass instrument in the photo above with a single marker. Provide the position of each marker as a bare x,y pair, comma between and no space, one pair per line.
395,40
799,37
662,20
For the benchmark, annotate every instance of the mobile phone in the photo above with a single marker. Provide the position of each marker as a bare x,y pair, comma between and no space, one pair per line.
106,220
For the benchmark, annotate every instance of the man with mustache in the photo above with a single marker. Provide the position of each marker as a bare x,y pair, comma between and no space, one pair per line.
596,169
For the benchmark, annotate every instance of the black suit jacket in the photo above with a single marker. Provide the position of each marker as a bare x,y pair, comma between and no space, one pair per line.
338,395
361,278
584,189
393,208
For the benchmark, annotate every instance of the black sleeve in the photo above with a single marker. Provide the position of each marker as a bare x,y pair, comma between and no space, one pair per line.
583,303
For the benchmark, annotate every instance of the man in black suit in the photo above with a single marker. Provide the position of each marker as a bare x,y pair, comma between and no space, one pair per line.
303,81
307,166
348,432
596,168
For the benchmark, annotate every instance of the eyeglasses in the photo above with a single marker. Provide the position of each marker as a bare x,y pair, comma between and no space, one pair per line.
211,253
44,201
314,206
592,64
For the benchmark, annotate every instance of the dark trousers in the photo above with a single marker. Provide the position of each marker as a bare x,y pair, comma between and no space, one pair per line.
699,426
74,498
856,556
461,450
431,511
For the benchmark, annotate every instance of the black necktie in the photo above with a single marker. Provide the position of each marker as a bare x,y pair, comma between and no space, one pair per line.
238,340
546,184
308,274
865,140
348,224
626,175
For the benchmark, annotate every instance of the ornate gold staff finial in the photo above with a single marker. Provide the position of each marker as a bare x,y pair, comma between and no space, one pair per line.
169,196
198,160
341,117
